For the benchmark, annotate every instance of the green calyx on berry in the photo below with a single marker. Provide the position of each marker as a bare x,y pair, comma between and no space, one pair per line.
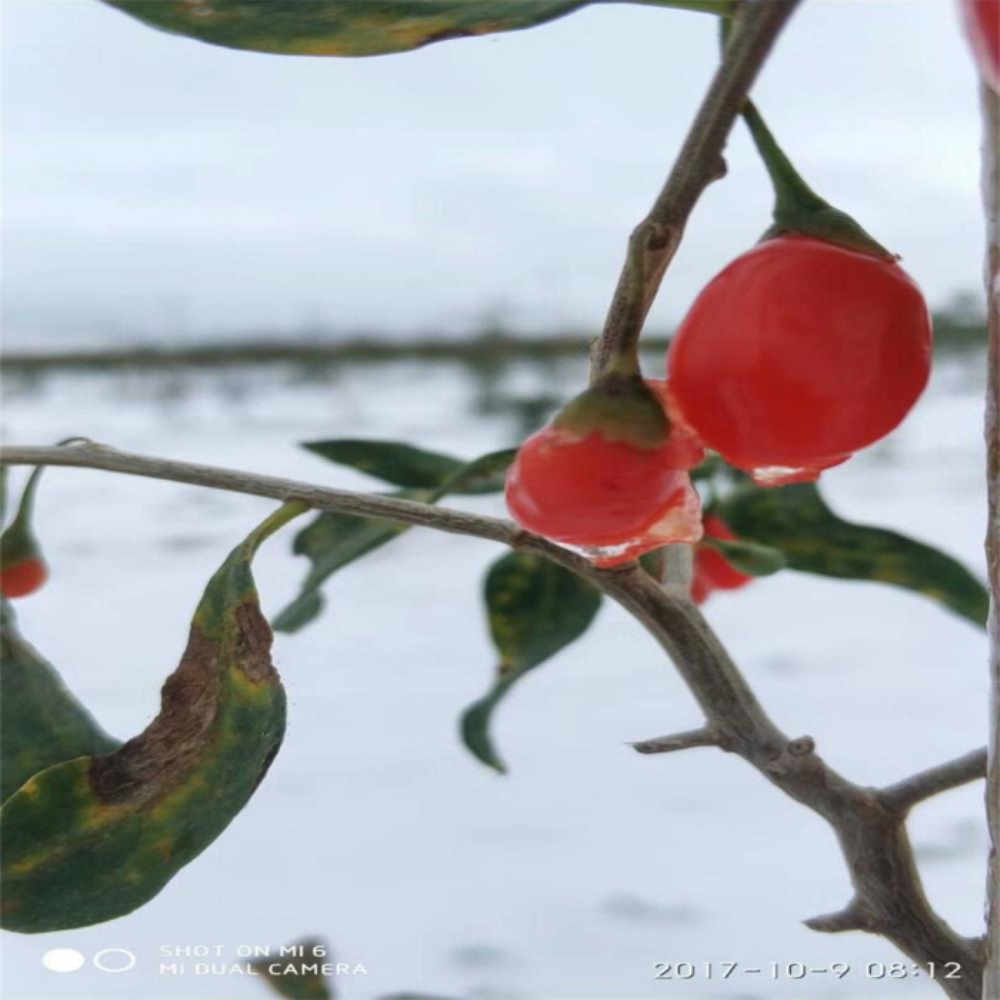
619,408
798,210
18,543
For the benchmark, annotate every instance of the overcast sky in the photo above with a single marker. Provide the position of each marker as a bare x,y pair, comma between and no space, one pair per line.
155,184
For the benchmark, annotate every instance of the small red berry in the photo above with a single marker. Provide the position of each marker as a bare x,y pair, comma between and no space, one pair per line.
701,589
23,577
798,354
599,494
982,25
711,565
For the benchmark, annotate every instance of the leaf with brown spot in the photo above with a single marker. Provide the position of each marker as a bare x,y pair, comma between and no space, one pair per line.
95,837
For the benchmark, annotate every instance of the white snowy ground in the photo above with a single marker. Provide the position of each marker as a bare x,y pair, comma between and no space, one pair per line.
584,867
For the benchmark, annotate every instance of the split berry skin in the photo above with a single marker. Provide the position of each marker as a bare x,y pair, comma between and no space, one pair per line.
607,484
982,25
23,578
712,570
798,354
598,494
684,449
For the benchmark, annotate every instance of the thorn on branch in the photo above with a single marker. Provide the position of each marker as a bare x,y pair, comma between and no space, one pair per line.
851,918
706,736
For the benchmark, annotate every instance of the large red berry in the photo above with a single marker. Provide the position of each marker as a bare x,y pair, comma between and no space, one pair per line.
982,25
23,577
589,490
798,354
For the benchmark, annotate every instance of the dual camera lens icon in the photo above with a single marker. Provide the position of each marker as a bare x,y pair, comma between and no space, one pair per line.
106,960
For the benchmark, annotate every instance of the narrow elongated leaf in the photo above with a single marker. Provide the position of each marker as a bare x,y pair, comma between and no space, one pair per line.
418,469
796,521
97,836
535,609
748,557
354,27
332,541
41,723
486,474
391,461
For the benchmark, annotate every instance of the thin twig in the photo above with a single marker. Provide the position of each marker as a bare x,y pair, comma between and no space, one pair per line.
703,737
904,795
90,455
870,826
655,240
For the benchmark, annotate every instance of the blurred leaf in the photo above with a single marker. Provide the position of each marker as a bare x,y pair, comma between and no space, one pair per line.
300,612
748,557
354,27
95,837
535,609
391,461
414,468
41,723
486,474
332,541
294,976
18,541
796,521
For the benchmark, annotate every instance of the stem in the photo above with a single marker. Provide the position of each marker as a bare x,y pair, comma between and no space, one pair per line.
991,208
791,193
904,795
870,824
22,520
798,209
654,241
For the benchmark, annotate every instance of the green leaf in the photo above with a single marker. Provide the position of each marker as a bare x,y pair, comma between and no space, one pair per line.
18,541
294,975
392,461
354,27
414,468
41,723
332,541
486,474
95,837
797,521
535,609
748,557
299,613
